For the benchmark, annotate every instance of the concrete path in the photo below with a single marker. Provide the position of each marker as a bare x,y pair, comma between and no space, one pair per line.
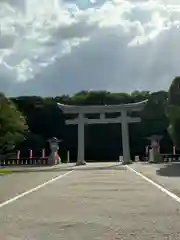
89,203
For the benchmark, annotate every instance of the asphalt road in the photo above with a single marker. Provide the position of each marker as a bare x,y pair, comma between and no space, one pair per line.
102,204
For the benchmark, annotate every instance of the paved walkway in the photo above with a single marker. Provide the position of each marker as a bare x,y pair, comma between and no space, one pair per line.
167,175
91,203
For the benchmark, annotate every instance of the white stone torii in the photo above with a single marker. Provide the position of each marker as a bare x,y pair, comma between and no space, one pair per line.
124,119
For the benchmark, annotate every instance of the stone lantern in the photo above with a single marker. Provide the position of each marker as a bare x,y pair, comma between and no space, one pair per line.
154,154
54,146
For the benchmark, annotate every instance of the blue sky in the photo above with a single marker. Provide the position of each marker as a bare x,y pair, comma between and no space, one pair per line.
54,47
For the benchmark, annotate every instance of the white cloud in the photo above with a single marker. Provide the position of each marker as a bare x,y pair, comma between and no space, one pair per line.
53,46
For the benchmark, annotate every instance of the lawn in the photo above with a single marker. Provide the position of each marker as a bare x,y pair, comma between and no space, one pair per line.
4,172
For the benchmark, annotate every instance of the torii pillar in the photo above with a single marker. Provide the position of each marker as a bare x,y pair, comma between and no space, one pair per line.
81,145
125,137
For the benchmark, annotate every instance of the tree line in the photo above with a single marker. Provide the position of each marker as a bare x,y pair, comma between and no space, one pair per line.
27,122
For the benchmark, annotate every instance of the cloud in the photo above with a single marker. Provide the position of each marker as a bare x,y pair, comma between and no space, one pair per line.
51,47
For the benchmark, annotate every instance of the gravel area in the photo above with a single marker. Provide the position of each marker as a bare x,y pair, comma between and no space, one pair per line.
93,204
167,175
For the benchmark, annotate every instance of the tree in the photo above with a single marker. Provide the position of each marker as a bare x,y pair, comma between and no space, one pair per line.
173,111
103,142
12,125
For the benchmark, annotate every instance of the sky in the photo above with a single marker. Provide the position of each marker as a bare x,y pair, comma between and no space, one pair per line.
55,47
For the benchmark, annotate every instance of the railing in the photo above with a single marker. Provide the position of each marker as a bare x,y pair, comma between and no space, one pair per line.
165,158
170,157
24,161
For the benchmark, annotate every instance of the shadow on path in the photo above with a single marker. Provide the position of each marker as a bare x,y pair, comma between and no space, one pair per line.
169,170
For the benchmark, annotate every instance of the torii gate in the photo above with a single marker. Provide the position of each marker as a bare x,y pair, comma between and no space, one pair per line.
123,119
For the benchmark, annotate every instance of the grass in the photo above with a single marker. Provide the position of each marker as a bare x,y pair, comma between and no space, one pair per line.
4,172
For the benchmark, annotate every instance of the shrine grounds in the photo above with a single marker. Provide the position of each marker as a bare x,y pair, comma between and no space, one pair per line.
97,201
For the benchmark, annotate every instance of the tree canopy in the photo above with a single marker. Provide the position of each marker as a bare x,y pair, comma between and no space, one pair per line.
173,111
12,125
29,121
102,142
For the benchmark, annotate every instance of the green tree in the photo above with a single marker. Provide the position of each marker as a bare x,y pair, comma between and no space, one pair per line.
173,111
103,142
12,125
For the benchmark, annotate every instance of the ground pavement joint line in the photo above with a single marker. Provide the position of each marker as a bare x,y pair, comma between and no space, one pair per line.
11,200
170,194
